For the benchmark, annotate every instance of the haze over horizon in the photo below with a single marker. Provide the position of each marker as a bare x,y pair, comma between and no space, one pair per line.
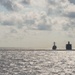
37,24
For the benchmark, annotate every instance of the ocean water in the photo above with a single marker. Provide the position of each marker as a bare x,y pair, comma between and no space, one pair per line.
37,62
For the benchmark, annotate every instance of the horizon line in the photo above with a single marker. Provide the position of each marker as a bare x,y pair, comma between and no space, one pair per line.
23,49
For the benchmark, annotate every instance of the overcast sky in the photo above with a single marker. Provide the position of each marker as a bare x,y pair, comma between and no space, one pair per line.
37,23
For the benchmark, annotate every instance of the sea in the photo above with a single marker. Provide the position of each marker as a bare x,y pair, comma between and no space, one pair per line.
37,62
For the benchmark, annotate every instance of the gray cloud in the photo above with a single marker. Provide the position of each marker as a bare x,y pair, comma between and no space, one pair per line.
70,15
51,2
56,7
54,12
69,26
29,22
44,27
25,2
9,5
72,1
7,23
13,31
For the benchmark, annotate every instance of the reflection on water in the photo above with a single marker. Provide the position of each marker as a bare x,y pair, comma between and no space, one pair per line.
37,63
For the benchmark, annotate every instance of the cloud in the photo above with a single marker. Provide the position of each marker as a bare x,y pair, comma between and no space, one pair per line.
48,15
9,4
25,2
44,27
72,1
70,15
10,19
30,22
52,2
24,20
70,25
56,7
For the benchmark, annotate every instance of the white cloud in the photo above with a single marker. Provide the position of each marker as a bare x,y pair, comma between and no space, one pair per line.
43,20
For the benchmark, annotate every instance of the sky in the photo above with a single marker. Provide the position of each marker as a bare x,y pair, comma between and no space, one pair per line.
37,23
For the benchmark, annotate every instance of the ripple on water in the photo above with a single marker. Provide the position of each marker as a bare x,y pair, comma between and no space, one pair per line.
37,63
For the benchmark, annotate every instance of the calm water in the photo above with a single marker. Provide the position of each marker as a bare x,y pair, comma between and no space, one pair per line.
37,62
